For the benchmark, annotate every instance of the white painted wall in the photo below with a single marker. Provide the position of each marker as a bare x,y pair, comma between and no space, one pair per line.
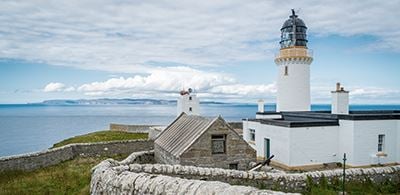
340,102
398,141
366,141
279,140
313,145
293,89
317,145
185,103
346,141
260,105
270,116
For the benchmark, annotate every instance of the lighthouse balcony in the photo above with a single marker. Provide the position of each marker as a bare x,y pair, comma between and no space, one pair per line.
294,52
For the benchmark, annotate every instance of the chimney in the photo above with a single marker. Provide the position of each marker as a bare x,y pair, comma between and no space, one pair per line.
338,86
260,105
340,100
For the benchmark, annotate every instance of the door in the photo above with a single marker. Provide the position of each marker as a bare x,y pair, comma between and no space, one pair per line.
267,148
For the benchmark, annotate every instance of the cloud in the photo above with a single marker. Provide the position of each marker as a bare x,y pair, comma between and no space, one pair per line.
138,36
358,94
166,82
53,87
375,95
57,87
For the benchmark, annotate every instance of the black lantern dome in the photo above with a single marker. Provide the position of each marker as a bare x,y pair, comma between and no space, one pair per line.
293,32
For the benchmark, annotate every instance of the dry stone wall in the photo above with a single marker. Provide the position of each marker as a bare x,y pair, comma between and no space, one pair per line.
113,177
292,182
54,156
126,177
132,128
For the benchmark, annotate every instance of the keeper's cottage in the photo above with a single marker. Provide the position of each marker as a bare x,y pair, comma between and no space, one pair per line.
200,141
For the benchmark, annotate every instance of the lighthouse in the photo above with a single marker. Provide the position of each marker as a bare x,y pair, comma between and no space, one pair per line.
188,103
293,62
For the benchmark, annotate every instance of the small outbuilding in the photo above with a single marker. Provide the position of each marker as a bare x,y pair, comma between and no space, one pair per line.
201,141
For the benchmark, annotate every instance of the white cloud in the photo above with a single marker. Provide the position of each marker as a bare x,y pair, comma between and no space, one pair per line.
358,94
69,89
130,36
167,82
57,87
54,87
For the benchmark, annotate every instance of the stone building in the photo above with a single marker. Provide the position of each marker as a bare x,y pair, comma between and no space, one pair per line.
200,141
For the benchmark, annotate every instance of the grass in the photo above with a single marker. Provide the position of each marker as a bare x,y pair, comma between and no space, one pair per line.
69,177
359,187
101,136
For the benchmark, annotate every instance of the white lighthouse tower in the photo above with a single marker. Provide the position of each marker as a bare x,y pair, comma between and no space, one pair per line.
293,61
188,103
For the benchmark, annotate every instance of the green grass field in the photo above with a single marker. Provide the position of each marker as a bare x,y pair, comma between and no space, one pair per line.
69,177
101,136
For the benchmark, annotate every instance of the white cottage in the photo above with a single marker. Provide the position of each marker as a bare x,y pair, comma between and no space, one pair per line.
300,138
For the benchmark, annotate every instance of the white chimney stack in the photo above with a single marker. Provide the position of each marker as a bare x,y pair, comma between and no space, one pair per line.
260,105
340,100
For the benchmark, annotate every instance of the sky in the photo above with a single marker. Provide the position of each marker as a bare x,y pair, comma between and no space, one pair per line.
224,50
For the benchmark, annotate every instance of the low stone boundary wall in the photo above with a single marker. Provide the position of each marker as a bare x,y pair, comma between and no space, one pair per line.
113,177
132,128
54,156
290,182
236,125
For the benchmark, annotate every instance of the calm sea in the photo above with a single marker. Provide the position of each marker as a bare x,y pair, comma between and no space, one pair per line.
29,128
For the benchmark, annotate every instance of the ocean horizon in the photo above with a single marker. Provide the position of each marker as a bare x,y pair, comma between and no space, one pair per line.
34,127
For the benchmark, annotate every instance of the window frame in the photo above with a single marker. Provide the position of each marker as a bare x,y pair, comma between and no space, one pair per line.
234,166
252,133
381,143
286,71
218,138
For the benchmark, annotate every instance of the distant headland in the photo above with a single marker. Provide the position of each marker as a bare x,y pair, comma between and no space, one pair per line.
112,101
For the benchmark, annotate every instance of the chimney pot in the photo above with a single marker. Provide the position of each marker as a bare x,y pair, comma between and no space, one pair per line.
337,86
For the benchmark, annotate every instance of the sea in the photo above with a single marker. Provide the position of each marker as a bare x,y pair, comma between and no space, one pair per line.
28,128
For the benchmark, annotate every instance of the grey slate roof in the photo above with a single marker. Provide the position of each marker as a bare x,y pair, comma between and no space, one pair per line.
183,132
324,118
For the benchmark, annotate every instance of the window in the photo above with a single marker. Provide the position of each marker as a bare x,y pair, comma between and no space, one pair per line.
252,134
190,97
233,166
218,144
190,109
286,70
381,142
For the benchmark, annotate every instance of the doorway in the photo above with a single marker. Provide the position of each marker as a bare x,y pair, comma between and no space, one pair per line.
267,148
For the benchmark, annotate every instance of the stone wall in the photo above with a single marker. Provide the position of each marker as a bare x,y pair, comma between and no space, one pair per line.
291,182
132,128
154,132
54,156
236,125
162,156
131,176
113,177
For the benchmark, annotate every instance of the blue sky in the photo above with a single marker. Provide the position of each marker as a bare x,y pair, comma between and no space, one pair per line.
225,50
